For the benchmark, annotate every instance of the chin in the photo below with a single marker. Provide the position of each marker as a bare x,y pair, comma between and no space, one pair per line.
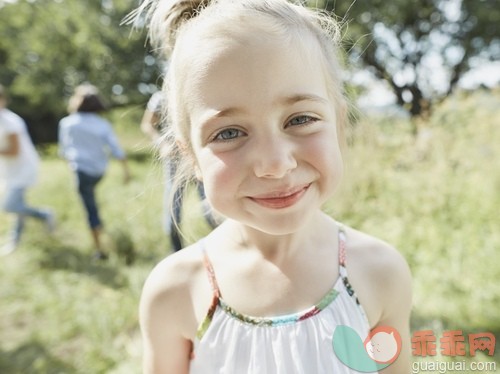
279,226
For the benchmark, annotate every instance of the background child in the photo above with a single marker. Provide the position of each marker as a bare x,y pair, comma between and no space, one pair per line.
19,163
85,140
256,111
151,126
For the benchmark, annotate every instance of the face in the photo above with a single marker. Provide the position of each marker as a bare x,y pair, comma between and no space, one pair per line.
264,135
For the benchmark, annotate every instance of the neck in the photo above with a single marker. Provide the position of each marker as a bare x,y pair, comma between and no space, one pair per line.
280,247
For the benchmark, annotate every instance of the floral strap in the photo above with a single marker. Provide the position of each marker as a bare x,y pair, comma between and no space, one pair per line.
342,243
342,263
216,294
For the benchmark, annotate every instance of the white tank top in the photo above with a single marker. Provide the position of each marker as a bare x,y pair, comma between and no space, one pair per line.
300,343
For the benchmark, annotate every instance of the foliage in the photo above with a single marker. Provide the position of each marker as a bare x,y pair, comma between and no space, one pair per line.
421,48
50,46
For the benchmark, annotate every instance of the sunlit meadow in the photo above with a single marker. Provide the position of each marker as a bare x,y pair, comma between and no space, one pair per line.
435,197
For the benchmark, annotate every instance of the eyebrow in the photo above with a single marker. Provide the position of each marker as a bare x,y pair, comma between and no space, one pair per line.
288,100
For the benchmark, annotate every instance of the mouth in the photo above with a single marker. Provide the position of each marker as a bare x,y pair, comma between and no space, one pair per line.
281,199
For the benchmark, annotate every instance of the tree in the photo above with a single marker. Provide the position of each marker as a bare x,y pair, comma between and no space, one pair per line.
421,48
50,46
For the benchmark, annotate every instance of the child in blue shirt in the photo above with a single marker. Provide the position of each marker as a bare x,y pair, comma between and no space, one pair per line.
86,141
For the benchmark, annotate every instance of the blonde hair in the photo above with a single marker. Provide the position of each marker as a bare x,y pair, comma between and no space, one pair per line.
171,22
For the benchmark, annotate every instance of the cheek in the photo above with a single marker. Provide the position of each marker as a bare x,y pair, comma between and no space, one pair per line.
324,154
218,175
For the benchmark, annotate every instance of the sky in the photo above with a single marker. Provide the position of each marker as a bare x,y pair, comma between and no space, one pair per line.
379,94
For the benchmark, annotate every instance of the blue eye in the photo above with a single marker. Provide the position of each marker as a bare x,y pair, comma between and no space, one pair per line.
301,120
228,134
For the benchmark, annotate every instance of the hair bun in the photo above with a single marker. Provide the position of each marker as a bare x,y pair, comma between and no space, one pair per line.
165,17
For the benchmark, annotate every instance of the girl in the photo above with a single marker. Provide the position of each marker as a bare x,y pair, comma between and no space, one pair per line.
256,112
19,163
85,139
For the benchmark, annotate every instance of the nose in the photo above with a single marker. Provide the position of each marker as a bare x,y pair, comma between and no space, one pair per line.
274,158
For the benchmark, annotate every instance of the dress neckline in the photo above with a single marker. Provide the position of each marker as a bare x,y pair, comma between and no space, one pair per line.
325,301
284,319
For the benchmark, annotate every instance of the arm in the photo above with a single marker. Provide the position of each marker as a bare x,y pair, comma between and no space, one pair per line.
61,140
395,295
117,152
149,125
164,308
382,280
12,148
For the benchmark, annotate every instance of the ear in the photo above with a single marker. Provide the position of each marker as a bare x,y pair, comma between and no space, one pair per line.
187,152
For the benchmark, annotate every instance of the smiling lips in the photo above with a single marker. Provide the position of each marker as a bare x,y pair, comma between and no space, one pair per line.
280,200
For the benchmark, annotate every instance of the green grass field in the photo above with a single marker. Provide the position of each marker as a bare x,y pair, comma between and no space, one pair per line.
436,198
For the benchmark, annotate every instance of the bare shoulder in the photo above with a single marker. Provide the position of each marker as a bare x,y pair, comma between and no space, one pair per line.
169,287
376,256
167,315
379,274
175,270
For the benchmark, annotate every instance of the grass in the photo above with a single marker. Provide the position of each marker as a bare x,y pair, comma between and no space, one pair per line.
435,198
